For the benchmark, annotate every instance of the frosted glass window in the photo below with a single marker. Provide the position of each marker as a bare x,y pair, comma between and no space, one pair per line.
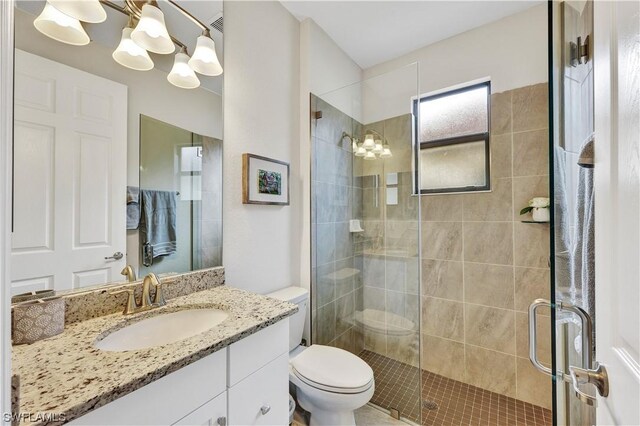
451,115
454,140
457,166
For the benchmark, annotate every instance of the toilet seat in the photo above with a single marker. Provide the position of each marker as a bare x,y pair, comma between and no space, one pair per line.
332,370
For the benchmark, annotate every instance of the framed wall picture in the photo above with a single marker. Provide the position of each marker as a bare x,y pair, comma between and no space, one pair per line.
264,180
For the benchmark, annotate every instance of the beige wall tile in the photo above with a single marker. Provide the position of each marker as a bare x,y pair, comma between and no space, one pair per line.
531,284
526,188
443,318
397,131
444,357
375,342
490,328
491,370
489,285
531,242
442,278
442,240
543,325
533,386
443,208
404,349
531,107
490,206
531,153
501,113
489,242
501,158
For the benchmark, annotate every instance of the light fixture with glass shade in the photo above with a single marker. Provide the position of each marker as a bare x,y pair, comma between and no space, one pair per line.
204,59
360,152
370,156
82,10
129,54
182,75
58,26
386,152
377,149
369,142
151,32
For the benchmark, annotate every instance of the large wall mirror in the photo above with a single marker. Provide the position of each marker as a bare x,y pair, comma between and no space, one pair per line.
117,142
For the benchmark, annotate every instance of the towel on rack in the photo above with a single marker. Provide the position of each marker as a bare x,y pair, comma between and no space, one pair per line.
583,257
158,224
133,207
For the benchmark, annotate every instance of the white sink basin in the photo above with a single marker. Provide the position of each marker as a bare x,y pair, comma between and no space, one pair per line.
161,330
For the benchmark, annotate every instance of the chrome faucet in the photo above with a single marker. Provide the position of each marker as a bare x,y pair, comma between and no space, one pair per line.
145,304
129,273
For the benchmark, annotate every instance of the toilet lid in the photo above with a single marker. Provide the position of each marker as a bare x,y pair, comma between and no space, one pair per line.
332,369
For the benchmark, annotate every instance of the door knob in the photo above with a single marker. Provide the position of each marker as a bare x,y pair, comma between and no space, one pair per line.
222,421
116,256
597,377
265,409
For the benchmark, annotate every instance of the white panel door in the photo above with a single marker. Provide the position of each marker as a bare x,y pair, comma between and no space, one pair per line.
70,146
617,197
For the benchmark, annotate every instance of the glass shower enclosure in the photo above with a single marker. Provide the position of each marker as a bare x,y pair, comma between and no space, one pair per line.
366,232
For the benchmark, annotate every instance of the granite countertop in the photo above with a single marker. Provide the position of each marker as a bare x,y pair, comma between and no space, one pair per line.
66,375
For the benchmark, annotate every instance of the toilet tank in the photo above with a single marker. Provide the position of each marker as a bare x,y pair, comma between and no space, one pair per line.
298,296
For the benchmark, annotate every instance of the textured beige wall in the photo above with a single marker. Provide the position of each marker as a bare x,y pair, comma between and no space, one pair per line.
482,267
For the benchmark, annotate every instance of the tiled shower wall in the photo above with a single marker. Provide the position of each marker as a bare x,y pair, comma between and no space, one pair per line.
482,266
337,197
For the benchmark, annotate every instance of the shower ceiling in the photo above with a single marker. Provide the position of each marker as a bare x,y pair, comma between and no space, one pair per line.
371,32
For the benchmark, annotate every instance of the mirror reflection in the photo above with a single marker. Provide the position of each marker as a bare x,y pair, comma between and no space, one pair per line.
118,142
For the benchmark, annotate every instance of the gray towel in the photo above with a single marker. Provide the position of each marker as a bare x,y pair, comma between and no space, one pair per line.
133,207
583,257
562,235
158,224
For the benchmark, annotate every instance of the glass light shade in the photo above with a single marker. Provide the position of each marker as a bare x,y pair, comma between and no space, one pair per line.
370,156
386,153
204,59
151,33
82,10
378,148
58,26
369,143
181,74
361,152
354,146
130,55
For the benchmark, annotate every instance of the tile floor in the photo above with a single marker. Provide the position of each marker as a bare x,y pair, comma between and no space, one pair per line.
365,416
445,401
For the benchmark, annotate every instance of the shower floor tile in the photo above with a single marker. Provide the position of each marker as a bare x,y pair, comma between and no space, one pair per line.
446,401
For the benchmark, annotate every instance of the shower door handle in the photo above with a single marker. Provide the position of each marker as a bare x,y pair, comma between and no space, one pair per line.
587,337
533,336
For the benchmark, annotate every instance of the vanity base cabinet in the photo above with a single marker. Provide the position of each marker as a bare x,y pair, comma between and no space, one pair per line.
168,399
246,383
262,397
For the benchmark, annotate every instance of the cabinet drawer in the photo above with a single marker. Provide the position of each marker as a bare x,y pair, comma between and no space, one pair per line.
167,399
253,352
267,388
213,413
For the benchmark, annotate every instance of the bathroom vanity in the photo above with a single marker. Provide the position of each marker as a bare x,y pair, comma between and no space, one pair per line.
235,373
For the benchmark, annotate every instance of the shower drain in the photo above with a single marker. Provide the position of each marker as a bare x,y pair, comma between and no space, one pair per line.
429,405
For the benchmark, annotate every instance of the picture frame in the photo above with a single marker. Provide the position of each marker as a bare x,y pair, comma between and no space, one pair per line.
264,180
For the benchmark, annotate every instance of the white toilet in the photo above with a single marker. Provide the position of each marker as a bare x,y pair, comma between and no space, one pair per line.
331,383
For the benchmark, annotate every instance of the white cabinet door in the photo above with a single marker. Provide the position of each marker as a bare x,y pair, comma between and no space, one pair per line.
70,155
617,197
263,397
213,413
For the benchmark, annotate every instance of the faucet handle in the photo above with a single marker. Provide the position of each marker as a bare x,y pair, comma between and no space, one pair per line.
158,299
131,305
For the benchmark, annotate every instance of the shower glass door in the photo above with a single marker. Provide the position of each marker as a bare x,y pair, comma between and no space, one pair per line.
365,232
